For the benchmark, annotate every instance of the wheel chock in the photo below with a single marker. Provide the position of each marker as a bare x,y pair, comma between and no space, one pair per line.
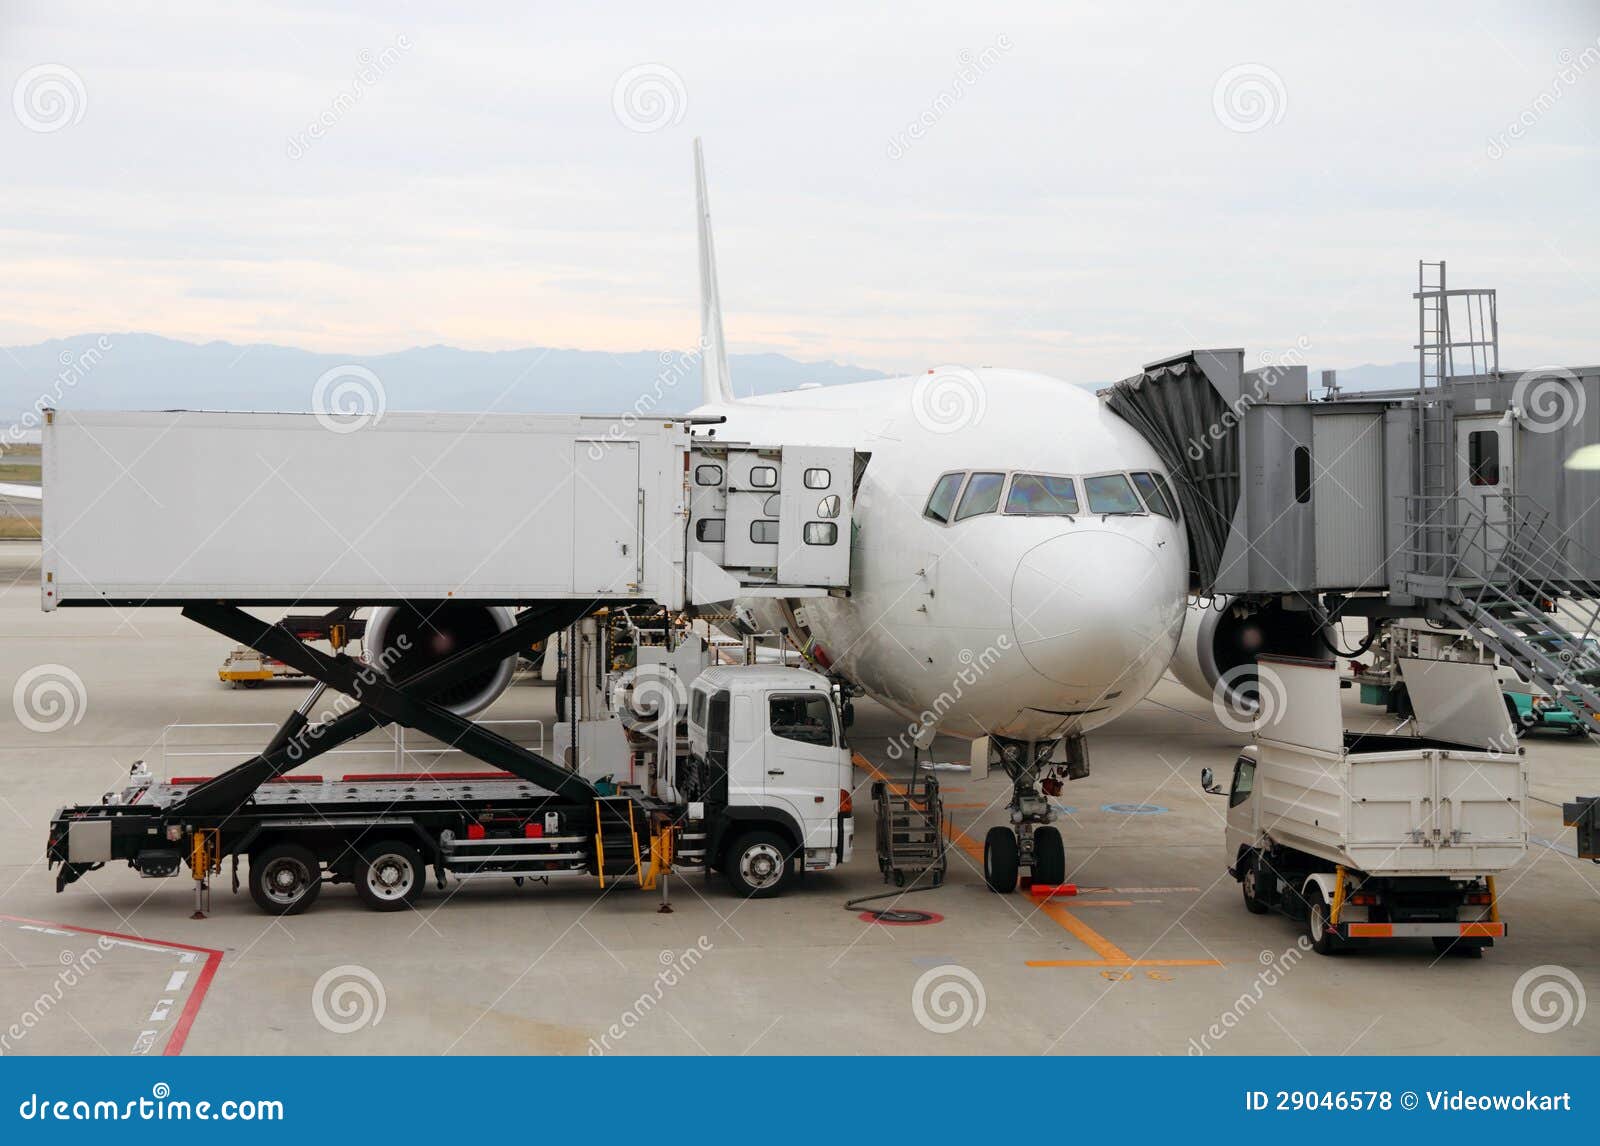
1052,890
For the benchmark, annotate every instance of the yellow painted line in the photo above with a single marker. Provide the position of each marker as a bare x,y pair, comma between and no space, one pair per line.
1124,963
1110,954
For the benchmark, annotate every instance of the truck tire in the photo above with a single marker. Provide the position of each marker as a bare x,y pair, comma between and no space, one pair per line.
1323,941
389,875
1049,857
1250,884
759,864
1000,860
285,879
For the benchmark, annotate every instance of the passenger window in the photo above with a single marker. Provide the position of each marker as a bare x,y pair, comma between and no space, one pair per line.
807,717
1483,457
982,496
1154,497
1244,779
820,533
943,498
818,479
711,529
1111,493
707,475
764,477
1042,494
764,532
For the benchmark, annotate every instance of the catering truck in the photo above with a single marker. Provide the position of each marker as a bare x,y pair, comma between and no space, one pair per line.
1379,835
466,540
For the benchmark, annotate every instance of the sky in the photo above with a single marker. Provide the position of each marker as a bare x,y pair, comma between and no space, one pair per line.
1076,189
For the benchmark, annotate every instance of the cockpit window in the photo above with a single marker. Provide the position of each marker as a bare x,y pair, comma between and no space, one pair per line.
1155,496
1111,493
1042,494
982,496
943,498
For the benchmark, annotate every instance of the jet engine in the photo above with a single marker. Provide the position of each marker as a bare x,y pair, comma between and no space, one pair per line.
404,640
1221,639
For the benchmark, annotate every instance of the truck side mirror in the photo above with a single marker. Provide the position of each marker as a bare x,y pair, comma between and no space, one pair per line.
1208,783
847,714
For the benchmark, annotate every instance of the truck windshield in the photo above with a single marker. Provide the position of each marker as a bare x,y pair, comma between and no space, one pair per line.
806,717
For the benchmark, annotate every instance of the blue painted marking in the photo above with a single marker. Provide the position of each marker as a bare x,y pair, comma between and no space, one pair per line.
1064,810
1133,809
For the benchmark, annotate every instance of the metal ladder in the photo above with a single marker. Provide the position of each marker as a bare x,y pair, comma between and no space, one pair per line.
1506,595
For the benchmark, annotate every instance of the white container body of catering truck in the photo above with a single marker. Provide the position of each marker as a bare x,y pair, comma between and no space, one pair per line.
1379,835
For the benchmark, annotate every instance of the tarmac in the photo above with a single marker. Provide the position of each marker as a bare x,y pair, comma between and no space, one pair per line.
1155,955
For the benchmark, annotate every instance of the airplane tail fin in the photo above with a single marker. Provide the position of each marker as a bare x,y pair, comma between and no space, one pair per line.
716,388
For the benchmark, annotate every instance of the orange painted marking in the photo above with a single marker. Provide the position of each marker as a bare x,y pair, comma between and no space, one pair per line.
1484,930
1110,954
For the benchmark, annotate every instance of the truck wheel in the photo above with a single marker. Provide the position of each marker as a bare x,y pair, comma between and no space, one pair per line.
389,875
1250,884
285,879
1000,860
1049,857
758,865
1323,941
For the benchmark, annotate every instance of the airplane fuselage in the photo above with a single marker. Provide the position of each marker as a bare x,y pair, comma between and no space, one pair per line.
1024,626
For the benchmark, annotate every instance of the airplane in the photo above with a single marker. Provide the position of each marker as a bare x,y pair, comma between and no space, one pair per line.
1019,569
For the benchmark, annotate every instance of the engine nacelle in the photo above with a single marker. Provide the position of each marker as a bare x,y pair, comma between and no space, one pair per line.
1217,652
406,639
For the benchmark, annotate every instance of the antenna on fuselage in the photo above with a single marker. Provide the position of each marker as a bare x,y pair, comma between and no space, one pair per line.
715,384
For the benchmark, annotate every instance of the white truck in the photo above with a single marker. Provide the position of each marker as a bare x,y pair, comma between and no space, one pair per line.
1379,835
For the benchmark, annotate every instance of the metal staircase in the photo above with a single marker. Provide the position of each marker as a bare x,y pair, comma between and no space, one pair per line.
1505,579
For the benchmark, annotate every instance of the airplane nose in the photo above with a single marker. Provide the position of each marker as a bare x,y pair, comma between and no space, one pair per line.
1091,606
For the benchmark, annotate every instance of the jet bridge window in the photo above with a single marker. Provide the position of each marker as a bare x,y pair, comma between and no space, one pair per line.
1042,495
1483,457
764,477
1111,493
707,475
711,529
1155,496
806,717
982,495
764,531
818,479
943,498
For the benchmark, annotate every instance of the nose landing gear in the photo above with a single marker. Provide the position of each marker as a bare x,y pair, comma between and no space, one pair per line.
1032,840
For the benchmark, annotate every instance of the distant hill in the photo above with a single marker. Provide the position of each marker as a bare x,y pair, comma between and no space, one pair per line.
146,371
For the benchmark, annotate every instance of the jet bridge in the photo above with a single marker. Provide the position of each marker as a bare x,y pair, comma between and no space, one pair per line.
1451,501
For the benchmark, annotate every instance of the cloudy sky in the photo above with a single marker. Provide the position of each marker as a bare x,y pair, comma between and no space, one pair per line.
1074,189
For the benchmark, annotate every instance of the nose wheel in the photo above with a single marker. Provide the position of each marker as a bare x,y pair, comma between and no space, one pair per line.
1004,855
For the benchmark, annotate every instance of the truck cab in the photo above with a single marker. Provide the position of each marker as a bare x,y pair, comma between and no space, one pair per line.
768,759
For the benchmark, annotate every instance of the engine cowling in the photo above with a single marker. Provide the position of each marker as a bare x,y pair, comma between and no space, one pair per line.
406,639
1221,639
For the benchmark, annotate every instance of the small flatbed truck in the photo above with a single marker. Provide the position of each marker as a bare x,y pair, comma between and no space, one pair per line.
1366,836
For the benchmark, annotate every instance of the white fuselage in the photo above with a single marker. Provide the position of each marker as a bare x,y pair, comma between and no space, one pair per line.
1030,627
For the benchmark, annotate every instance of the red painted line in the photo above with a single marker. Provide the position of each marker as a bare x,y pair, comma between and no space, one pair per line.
202,983
428,777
